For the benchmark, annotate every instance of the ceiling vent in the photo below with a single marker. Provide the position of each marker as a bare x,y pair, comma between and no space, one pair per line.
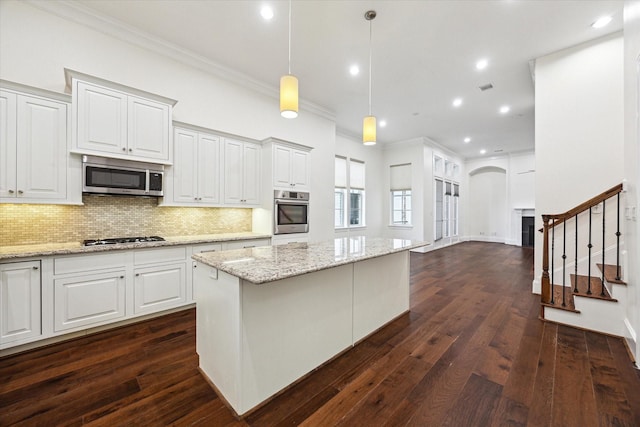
485,87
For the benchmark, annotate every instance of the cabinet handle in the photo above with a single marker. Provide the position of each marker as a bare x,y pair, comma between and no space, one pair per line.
137,274
11,191
20,192
35,268
122,277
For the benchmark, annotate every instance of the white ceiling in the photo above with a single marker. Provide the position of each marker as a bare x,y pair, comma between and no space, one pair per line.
423,57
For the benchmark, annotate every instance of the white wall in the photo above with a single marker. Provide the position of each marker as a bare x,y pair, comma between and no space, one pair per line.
631,168
519,194
346,146
579,128
488,202
36,47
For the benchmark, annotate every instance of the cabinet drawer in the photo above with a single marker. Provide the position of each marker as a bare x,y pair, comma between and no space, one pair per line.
214,247
89,300
155,255
89,262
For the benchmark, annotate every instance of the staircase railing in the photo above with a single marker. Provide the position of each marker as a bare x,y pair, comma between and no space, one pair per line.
550,222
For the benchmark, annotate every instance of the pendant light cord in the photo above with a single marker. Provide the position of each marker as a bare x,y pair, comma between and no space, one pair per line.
370,53
289,37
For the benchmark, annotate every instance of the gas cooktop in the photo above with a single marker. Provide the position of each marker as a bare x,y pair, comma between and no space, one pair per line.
117,240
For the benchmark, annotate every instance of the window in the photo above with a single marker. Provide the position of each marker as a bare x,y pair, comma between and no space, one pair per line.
400,177
447,206
349,196
439,192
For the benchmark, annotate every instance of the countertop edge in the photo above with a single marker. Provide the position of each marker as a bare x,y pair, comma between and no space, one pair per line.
17,252
225,267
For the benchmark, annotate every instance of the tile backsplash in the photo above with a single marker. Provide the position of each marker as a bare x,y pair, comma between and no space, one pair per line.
103,217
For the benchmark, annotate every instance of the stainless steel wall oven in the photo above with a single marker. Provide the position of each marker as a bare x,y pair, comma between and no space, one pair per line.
291,212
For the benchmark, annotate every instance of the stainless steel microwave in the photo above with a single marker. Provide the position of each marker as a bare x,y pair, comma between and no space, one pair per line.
102,175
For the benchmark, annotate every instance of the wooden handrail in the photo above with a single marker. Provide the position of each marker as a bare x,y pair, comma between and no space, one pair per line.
550,221
558,219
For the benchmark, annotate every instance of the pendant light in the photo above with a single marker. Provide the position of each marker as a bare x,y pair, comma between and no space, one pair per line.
369,122
289,87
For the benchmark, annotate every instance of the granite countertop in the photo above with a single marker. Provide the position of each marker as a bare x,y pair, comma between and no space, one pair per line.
271,263
47,249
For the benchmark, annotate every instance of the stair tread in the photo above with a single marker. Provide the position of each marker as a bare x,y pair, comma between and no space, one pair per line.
596,288
610,274
557,298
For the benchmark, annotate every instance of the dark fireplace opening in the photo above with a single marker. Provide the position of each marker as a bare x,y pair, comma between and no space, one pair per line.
528,226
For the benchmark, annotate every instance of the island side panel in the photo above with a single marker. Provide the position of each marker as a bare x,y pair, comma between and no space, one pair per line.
291,326
380,292
217,296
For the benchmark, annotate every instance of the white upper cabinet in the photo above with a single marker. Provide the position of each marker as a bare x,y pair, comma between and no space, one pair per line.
290,164
35,163
291,168
196,169
241,173
118,121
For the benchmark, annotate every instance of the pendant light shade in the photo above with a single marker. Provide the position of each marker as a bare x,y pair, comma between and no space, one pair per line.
369,130
289,87
369,122
289,96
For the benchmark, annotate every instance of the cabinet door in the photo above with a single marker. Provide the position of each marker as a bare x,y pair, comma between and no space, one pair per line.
89,300
148,135
102,119
300,169
251,174
185,172
20,301
41,148
282,166
208,169
8,122
159,288
233,152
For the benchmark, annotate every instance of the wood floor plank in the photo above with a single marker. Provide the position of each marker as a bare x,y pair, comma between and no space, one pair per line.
471,351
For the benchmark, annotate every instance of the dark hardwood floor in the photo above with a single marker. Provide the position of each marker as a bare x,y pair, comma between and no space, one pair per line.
471,352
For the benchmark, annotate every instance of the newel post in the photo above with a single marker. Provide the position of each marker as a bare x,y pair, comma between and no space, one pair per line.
545,283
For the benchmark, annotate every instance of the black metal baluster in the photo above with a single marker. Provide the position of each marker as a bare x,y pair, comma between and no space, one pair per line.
604,246
564,260
618,242
553,244
589,260
575,266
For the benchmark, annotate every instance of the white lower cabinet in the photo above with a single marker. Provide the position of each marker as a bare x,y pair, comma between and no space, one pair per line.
89,300
158,288
20,310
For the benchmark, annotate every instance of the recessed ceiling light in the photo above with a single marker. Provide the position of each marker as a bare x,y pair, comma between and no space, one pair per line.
457,102
482,64
601,22
505,109
383,123
483,151
266,12
467,140
354,70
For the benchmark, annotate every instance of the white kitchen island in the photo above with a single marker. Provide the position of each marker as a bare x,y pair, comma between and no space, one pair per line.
267,316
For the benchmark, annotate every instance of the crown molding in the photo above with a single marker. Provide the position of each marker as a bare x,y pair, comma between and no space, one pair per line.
78,13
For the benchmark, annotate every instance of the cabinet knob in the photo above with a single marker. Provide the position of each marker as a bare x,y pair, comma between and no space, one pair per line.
11,191
130,149
137,274
35,268
122,277
20,192
195,265
124,149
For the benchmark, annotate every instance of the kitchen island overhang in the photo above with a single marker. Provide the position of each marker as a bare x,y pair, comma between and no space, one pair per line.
267,316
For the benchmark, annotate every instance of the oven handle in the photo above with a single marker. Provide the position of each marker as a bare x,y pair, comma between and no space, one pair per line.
291,202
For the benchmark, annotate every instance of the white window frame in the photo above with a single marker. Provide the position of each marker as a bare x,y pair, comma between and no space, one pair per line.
346,191
405,213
